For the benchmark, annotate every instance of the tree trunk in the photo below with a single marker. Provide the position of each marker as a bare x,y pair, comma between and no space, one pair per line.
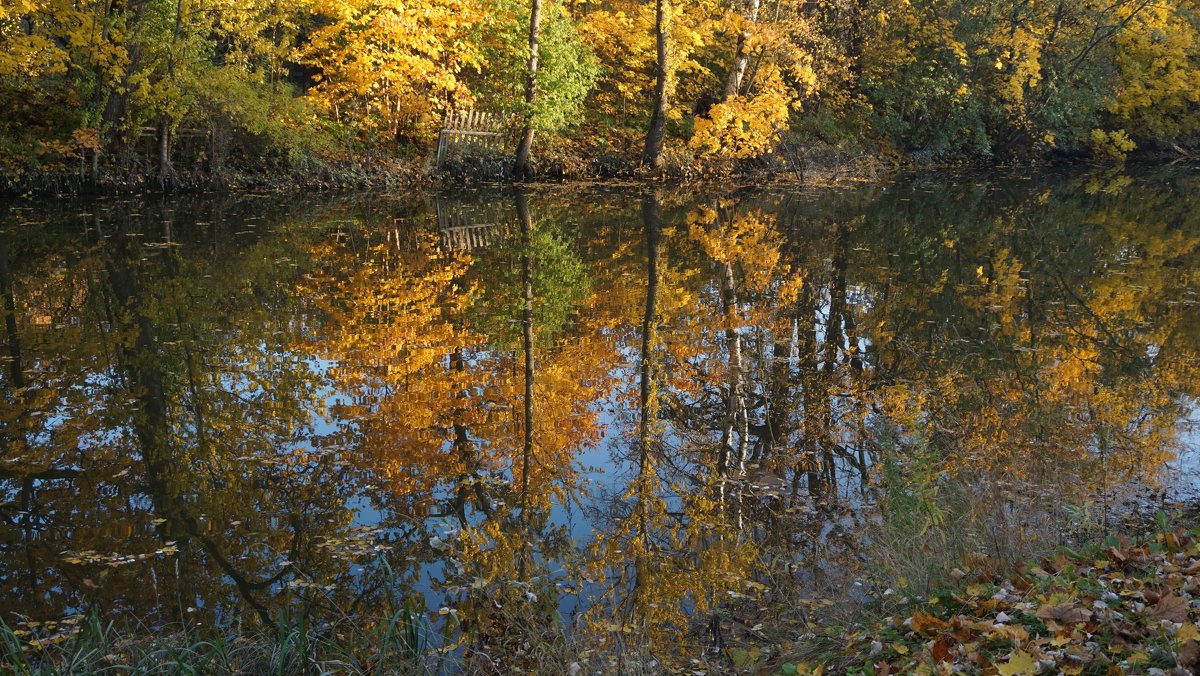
741,57
652,155
164,153
535,30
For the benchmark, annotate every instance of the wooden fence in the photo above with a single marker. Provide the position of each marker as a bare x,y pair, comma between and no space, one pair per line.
472,132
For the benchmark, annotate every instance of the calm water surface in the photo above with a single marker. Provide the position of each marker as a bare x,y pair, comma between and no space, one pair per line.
620,405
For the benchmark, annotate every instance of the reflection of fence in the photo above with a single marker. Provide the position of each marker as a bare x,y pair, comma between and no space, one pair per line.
469,225
471,132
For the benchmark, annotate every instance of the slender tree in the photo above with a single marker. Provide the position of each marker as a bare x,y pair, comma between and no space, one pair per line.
535,29
741,57
658,117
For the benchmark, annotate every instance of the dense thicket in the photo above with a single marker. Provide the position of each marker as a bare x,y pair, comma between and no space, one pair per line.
160,88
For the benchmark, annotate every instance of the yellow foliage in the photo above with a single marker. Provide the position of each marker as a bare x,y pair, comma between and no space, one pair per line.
389,66
1111,144
1160,74
744,127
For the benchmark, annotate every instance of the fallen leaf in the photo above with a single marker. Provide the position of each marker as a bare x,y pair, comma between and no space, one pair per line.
922,622
1188,654
943,649
1020,663
1066,613
1171,607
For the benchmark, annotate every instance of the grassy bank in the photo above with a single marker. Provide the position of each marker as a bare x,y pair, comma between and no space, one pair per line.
87,645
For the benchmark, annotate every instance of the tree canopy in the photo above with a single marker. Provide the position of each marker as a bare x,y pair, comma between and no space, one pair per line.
211,86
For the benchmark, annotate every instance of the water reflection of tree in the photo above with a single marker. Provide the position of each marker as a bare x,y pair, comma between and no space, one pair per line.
1012,339
150,461
465,416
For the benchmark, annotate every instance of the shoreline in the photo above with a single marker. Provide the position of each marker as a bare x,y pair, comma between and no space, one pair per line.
819,171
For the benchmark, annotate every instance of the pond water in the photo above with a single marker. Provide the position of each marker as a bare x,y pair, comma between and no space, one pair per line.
607,407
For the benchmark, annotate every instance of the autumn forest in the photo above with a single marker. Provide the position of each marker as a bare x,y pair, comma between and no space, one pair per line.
162,93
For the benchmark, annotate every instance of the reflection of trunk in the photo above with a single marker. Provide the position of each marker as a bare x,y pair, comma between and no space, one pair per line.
855,359
647,407
735,403
527,340
528,348
141,363
464,450
535,29
834,341
778,403
810,378
658,115
648,400
11,338
204,441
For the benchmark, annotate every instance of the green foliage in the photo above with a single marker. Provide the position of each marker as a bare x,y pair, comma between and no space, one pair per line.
559,280
567,69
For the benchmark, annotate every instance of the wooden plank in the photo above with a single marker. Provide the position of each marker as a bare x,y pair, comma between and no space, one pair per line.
459,132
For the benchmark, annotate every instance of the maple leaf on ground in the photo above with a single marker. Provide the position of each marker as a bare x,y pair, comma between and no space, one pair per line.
1020,663
922,622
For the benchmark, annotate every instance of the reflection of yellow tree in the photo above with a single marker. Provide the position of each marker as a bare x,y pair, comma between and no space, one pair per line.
755,292
400,359
661,570
1056,375
425,393
438,395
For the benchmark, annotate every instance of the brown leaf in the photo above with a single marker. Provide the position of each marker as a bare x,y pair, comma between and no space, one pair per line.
1058,563
923,622
1171,607
942,649
1126,635
1188,654
1064,614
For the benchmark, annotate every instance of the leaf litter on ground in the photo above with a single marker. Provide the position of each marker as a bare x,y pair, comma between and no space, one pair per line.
1122,607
